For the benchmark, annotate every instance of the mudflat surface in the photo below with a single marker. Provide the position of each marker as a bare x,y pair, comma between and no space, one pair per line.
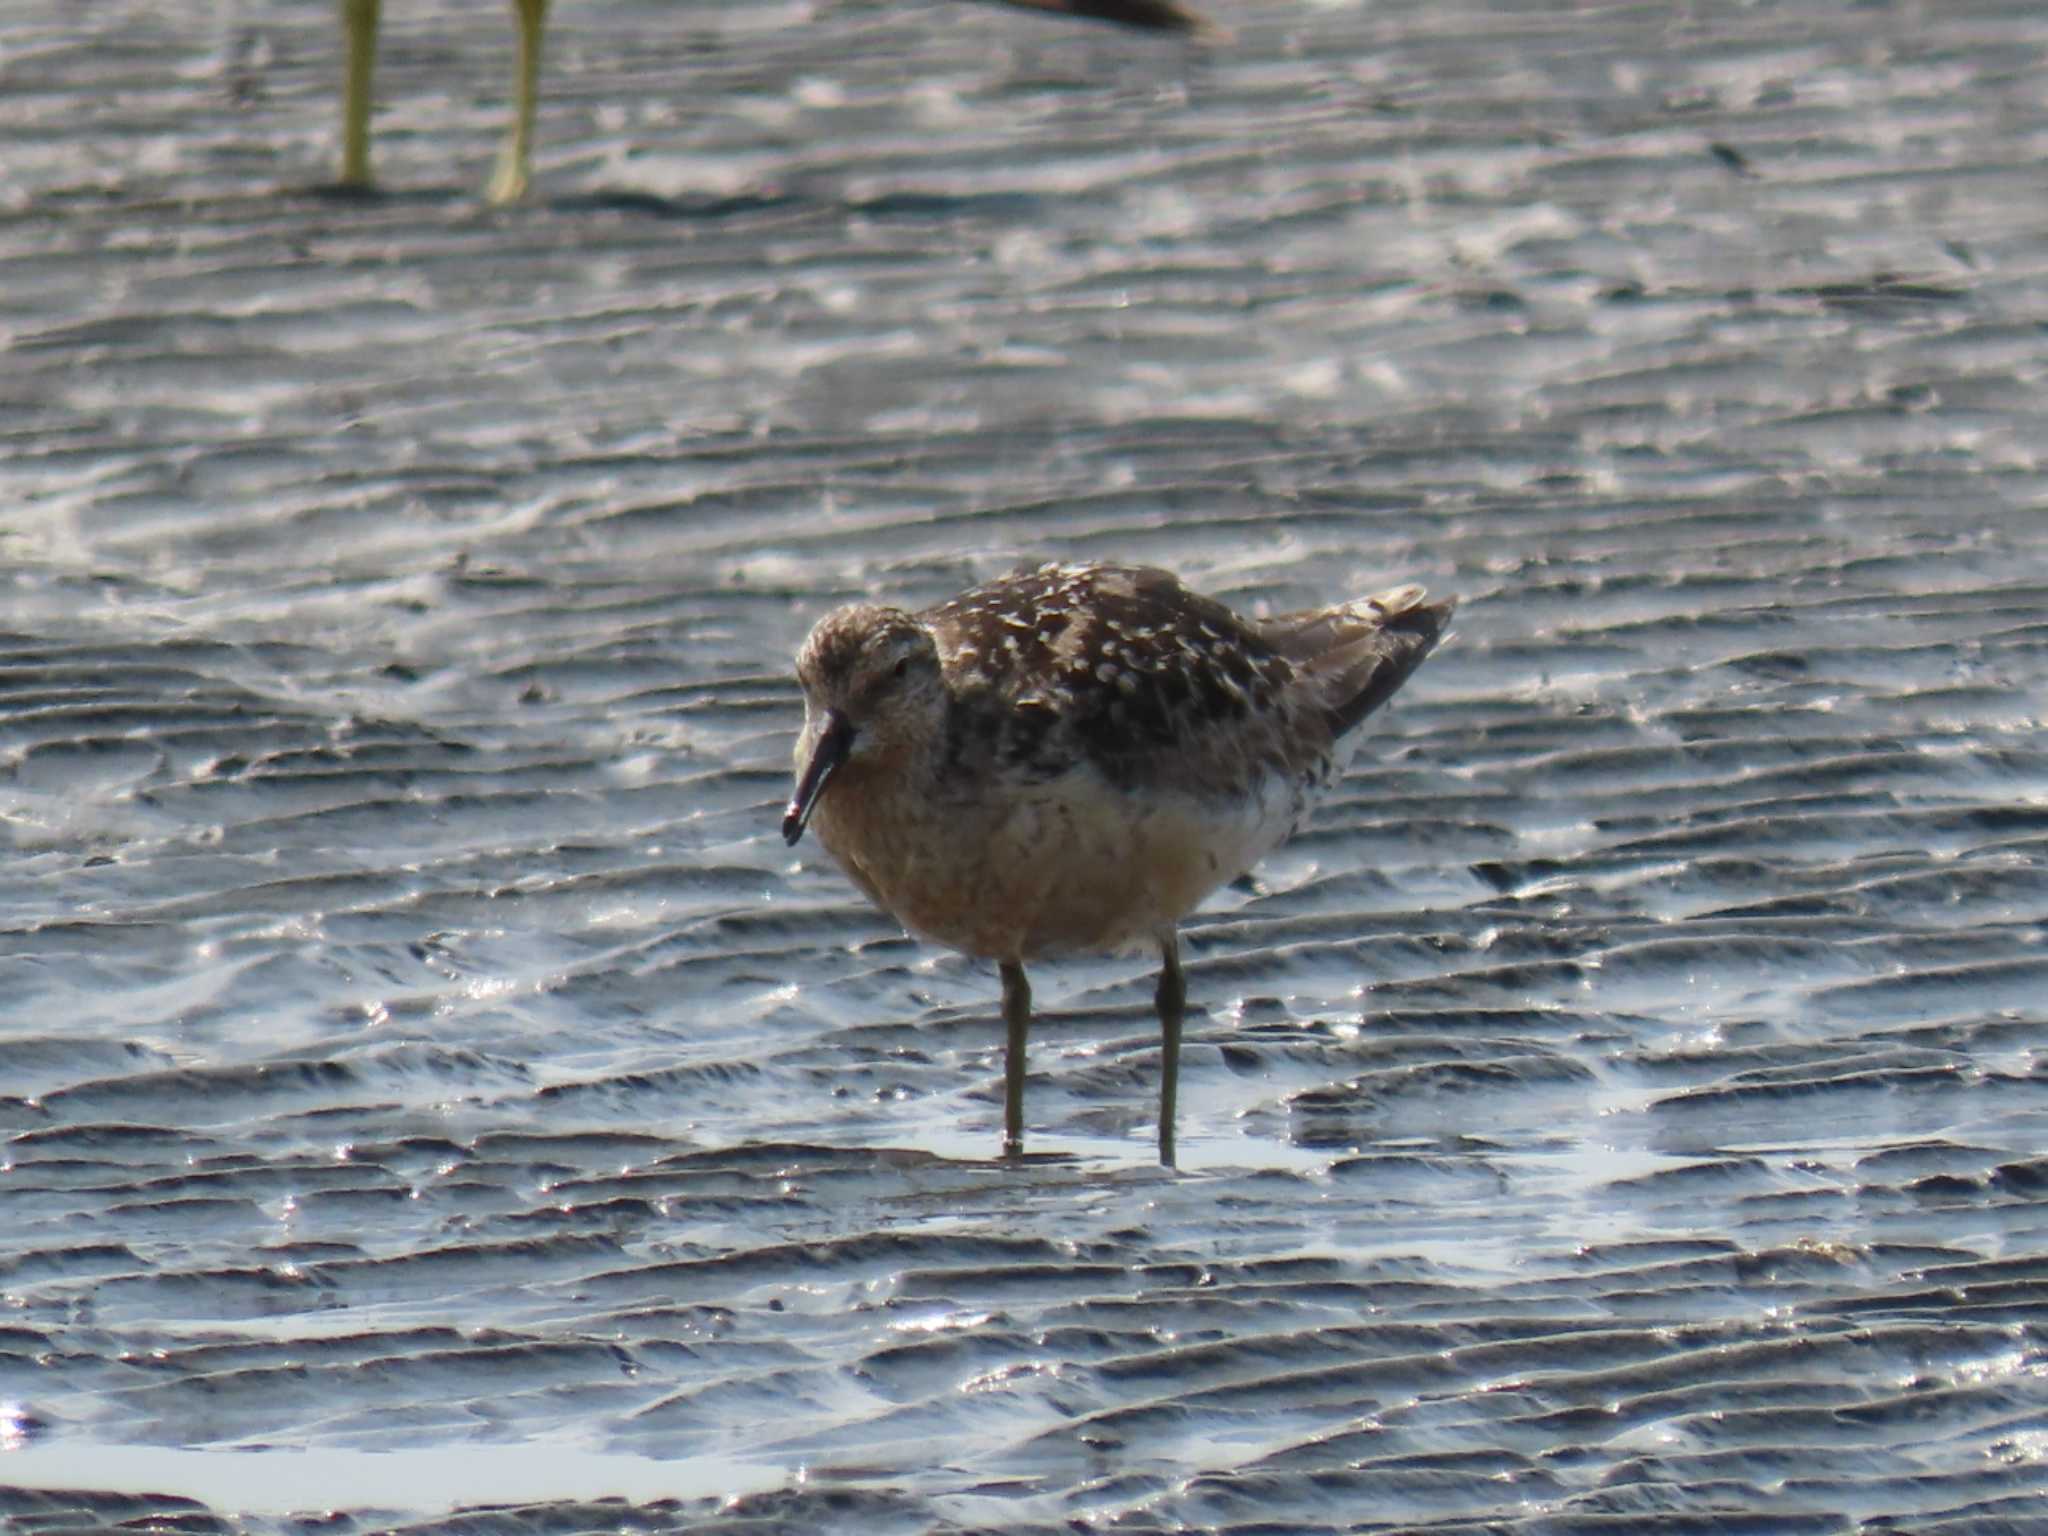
432,1096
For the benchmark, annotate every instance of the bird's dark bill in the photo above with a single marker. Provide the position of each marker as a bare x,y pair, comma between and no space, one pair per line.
834,742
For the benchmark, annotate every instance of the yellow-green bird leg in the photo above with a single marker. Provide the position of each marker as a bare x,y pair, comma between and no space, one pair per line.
515,157
359,27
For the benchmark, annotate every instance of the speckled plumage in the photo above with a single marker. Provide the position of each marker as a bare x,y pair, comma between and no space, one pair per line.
1071,758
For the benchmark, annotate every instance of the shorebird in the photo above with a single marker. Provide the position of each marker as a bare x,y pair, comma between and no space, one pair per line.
509,181
1071,758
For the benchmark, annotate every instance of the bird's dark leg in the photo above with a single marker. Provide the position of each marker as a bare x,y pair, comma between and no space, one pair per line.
1171,1001
1017,1020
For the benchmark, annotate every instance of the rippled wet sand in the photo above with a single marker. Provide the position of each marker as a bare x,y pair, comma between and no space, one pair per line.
432,1096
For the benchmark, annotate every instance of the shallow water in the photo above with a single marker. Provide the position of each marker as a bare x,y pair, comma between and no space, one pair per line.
428,1084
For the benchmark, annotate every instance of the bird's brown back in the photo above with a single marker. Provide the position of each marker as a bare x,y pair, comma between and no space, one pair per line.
1156,686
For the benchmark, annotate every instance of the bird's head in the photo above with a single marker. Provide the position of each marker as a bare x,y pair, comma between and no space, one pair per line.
872,690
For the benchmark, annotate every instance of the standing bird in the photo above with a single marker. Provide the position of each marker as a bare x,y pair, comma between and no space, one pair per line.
1070,758
509,181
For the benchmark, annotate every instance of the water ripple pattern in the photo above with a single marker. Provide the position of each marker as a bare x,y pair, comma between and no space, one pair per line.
432,1098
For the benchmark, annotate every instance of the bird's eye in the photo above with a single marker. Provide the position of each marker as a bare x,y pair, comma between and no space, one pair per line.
902,667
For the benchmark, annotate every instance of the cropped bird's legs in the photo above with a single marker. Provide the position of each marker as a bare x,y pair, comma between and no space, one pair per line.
359,20
359,24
